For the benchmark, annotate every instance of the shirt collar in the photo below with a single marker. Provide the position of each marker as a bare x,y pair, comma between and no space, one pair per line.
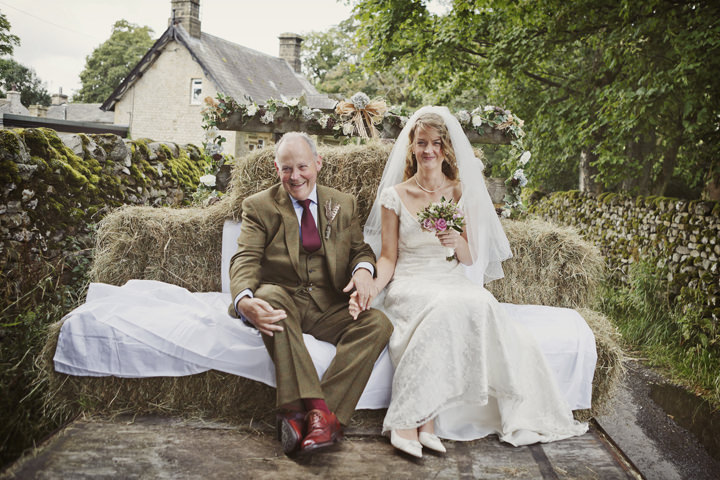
312,197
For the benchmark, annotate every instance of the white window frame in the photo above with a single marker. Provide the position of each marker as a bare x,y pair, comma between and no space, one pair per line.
196,98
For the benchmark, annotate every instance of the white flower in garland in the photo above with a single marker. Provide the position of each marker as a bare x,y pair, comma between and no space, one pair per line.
323,121
477,120
524,158
488,108
267,117
208,180
348,128
519,175
463,117
211,133
251,110
293,102
306,112
360,100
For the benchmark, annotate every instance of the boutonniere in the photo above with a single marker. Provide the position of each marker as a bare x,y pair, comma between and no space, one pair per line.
331,211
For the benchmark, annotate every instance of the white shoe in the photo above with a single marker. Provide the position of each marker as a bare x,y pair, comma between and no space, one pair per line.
411,447
431,441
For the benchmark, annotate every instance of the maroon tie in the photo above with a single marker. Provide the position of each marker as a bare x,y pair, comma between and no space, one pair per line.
308,229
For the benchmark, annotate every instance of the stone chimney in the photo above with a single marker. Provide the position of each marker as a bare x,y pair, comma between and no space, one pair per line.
290,49
187,14
38,111
13,97
58,98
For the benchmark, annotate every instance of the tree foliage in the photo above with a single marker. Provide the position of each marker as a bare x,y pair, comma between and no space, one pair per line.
109,64
332,62
7,40
623,92
24,80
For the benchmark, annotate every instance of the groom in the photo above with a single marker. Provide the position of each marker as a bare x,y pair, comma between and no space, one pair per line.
300,253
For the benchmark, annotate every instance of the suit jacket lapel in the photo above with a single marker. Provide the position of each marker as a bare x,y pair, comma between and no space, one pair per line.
329,243
290,224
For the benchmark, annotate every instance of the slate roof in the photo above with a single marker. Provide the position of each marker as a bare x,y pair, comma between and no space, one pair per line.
7,107
236,70
80,112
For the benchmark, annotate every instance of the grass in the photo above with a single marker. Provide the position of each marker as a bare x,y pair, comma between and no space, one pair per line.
677,340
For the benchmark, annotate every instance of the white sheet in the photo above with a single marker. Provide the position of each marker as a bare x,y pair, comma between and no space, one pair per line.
148,328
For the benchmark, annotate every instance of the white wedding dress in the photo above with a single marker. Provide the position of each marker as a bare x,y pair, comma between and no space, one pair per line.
458,358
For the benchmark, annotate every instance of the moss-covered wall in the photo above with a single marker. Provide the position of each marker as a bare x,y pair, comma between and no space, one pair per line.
677,234
55,187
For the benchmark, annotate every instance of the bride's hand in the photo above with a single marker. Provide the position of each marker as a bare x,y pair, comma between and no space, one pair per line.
354,305
450,238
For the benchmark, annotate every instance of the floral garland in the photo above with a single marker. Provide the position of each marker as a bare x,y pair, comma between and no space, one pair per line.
493,117
346,120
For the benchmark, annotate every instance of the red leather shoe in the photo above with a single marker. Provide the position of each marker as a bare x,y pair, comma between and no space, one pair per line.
290,430
323,430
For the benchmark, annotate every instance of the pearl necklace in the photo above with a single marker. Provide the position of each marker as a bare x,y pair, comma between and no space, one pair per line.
425,189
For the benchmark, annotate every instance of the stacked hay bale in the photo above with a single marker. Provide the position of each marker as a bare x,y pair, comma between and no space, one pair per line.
551,266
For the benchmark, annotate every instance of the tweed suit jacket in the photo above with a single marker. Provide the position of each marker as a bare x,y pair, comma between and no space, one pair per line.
269,241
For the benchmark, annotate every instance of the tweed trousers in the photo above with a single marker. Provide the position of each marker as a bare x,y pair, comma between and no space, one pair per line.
358,344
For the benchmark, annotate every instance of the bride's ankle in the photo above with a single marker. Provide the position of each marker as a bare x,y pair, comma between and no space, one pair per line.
428,427
407,434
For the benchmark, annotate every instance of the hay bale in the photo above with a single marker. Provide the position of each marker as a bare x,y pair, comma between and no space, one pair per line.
174,245
552,266
354,169
609,370
212,394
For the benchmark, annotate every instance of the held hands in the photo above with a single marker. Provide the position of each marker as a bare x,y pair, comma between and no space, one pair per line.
364,293
261,314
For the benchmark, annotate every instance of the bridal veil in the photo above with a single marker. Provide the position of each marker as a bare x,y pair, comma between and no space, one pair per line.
488,244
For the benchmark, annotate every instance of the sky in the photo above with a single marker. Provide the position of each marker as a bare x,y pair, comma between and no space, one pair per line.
57,35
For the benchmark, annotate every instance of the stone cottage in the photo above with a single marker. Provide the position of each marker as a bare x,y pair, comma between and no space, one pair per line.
163,96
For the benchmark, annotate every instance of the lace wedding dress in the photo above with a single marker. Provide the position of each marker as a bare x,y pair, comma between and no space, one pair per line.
458,357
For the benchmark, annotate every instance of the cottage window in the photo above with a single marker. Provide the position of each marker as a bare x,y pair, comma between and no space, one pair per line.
196,91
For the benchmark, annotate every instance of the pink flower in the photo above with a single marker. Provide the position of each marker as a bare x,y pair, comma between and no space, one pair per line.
440,225
428,224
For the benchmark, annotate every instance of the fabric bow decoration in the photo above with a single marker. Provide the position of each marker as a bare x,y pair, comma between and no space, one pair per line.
360,110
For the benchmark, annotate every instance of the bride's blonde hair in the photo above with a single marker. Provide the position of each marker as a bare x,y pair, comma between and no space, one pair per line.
434,121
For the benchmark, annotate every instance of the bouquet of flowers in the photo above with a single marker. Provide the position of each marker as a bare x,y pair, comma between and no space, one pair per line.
438,217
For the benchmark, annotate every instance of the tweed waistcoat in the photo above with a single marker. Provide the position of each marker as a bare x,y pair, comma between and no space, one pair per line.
315,279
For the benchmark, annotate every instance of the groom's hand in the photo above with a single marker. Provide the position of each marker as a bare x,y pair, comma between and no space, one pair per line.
362,282
261,314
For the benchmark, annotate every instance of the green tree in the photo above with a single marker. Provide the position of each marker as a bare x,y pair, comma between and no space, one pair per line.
617,94
333,63
24,80
7,40
109,64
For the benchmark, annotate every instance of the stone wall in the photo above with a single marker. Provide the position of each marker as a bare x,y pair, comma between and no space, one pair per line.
55,188
682,236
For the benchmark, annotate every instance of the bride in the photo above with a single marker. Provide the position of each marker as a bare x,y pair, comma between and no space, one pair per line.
463,369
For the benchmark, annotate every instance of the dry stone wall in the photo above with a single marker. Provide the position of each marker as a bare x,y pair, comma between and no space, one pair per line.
54,188
682,236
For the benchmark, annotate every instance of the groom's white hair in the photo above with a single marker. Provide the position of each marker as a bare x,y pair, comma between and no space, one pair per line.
291,135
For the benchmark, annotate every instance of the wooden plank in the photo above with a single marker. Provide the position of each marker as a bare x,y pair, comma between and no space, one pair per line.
158,447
